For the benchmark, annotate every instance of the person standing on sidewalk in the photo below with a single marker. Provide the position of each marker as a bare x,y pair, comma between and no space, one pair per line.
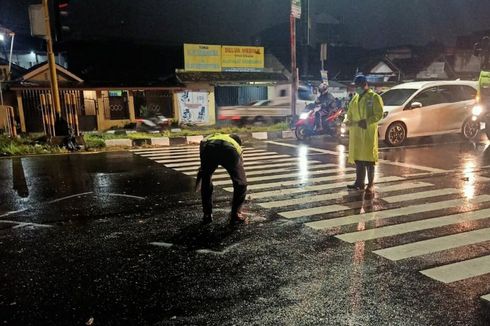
225,150
364,111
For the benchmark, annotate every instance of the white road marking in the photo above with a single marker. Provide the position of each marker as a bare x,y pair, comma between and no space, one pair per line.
322,209
406,165
222,174
252,159
421,195
196,164
324,197
123,195
162,244
425,247
390,213
314,211
298,174
68,197
167,150
300,181
295,163
296,190
486,297
13,212
23,224
191,155
420,225
459,271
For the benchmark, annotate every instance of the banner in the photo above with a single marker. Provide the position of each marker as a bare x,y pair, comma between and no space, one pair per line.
202,57
239,58
193,107
296,8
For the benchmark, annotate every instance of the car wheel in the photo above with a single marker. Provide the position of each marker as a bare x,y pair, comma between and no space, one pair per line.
470,129
302,133
396,134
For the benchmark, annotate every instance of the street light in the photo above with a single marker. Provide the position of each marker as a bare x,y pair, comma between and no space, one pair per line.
3,33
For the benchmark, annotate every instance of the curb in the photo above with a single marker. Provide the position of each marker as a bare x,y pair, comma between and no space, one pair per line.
188,140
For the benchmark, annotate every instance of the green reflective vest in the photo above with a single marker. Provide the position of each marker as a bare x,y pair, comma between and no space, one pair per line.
483,82
363,143
226,138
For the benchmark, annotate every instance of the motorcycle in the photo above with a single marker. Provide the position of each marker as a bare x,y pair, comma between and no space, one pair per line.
479,120
331,123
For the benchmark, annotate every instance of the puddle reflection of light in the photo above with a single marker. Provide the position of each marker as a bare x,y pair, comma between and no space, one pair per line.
469,177
342,158
303,163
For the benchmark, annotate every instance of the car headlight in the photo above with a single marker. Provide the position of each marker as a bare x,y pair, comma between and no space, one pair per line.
304,115
477,110
385,114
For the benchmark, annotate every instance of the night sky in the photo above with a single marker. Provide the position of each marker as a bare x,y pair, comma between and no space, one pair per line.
371,23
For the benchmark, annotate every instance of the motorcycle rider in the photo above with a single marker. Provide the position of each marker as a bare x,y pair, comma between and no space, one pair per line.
326,101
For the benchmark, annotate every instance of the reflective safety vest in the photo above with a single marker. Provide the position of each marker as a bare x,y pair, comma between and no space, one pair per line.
484,85
225,138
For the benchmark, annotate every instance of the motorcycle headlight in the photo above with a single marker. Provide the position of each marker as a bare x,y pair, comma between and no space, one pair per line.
304,115
477,110
385,114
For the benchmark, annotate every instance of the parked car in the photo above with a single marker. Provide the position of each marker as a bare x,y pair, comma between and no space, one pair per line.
428,108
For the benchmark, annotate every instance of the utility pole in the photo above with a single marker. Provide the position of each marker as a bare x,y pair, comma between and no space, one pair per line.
295,13
55,94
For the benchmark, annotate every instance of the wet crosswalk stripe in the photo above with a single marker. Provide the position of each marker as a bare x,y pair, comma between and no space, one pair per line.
194,159
222,174
434,245
295,175
196,155
300,181
459,271
255,161
318,210
303,189
403,228
292,164
421,195
166,150
324,197
390,213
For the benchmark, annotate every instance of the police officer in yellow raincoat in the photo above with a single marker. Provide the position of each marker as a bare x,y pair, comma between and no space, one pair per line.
364,111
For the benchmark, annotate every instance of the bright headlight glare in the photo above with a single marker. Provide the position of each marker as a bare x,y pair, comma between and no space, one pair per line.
477,109
303,115
342,130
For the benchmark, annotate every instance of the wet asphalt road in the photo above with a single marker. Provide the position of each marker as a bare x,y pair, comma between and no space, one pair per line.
116,237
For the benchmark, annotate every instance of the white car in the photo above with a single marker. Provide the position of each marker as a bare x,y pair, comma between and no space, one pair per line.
428,108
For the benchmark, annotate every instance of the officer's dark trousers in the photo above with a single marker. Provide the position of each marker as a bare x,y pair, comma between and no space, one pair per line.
216,153
361,168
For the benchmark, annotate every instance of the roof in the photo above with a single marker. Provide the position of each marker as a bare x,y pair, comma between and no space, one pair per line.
422,84
44,66
230,77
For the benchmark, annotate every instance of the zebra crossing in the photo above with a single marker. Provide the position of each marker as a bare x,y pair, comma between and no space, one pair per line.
312,192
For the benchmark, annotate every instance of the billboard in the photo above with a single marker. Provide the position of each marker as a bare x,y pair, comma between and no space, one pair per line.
242,58
215,58
202,57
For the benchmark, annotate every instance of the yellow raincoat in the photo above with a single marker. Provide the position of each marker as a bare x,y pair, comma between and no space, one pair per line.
363,143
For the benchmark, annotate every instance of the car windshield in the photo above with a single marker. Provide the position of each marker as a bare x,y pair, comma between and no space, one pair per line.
395,97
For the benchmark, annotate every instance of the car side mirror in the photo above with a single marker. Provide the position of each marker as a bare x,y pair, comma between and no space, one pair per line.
416,105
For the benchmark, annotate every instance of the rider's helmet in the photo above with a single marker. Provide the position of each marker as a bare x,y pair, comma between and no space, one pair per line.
323,87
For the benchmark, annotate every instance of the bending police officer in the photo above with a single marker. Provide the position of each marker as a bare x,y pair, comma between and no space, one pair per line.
225,150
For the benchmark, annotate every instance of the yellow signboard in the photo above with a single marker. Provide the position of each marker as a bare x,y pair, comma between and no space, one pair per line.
202,57
242,57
